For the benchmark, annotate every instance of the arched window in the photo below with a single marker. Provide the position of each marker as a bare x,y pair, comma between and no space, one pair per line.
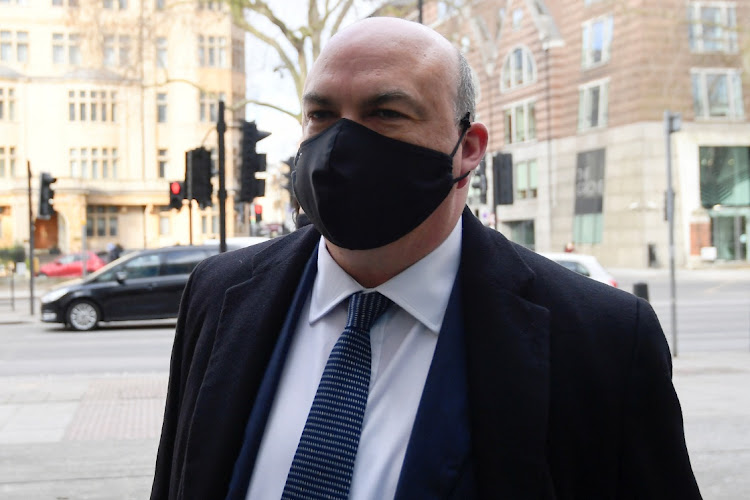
518,69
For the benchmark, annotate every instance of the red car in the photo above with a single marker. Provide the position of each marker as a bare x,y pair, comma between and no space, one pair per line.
71,265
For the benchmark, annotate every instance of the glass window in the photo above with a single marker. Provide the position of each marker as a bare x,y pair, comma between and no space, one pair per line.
161,52
593,105
74,50
144,266
712,27
520,122
588,228
22,46
58,48
183,262
164,225
108,50
518,69
724,176
717,94
6,45
596,41
522,232
161,108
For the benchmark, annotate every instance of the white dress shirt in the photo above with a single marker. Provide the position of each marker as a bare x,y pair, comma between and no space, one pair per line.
403,343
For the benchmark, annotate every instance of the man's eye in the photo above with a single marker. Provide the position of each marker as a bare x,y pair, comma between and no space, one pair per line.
319,115
388,114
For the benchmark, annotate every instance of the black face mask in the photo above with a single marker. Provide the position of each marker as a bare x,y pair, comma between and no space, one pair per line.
363,190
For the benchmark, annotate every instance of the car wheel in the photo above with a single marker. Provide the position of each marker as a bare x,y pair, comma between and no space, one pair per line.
83,316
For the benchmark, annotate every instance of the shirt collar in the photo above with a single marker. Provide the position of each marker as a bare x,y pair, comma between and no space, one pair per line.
422,290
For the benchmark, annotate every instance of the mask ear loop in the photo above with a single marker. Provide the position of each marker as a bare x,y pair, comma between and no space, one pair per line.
465,124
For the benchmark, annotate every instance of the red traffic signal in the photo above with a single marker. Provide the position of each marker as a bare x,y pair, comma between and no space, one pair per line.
258,209
176,194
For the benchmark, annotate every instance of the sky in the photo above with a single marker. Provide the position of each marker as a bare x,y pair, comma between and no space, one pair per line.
265,84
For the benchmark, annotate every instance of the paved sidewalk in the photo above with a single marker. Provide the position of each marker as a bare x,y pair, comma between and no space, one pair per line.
714,389
76,437
95,437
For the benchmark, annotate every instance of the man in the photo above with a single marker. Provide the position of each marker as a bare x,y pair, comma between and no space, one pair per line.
492,373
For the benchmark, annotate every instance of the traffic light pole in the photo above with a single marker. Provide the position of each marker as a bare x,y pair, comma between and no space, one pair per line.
190,195
221,127
31,242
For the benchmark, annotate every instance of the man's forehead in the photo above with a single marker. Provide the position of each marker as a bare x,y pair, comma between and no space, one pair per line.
372,97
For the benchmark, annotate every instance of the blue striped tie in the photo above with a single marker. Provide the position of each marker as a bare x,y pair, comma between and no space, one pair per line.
324,461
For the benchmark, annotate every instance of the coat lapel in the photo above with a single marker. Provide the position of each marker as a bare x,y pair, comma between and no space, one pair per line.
507,341
251,319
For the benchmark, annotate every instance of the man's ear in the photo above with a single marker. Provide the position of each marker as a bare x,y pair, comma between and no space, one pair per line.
473,147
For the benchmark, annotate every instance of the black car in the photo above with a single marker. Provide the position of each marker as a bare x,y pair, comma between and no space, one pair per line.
146,284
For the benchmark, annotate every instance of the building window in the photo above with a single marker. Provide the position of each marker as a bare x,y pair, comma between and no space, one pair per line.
164,229
161,52
518,69
596,41
124,50
160,4
212,51
517,19
717,93
162,162
161,108
91,163
14,47
588,228
520,122
712,27
74,50
7,161
214,224
522,232
122,4
526,180
7,104
108,51
101,221
209,106
724,176
593,99
209,5
238,55
91,105
73,46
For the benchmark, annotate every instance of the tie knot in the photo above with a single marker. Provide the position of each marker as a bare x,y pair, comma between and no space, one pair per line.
365,309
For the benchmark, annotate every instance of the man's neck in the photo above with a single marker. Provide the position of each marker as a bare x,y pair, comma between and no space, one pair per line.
371,268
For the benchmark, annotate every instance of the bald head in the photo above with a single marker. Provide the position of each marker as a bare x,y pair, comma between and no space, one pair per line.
399,38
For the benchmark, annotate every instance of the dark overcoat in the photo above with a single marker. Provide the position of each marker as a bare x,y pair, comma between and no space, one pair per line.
569,380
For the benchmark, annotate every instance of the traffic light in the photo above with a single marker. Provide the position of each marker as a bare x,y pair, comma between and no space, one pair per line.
46,195
176,194
502,176
287,183
198,176
479,182
258,212
252,162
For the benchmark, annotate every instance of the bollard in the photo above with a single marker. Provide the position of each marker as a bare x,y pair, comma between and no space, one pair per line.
640,289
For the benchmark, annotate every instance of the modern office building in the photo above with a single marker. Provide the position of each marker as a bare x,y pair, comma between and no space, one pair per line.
576,91
107,96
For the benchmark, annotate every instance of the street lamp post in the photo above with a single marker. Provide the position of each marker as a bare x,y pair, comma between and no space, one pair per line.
672,123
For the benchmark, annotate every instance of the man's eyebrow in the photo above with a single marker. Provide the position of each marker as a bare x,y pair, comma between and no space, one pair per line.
396,96
315,98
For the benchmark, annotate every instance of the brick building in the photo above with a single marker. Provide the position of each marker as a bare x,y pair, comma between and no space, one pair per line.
576,90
